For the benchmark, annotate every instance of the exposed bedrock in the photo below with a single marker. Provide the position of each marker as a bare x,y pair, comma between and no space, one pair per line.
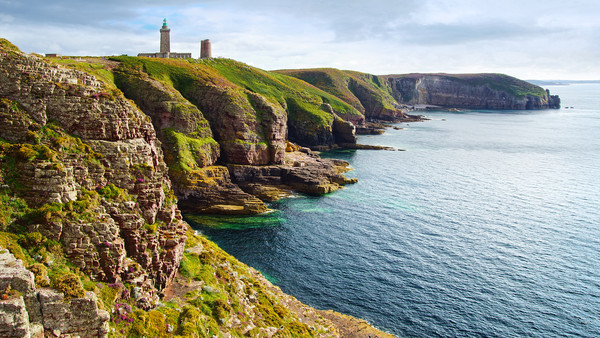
87,137
477,91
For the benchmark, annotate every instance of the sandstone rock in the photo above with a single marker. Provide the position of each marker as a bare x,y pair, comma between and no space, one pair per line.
210,190
33,311
343,131
14,320
129,156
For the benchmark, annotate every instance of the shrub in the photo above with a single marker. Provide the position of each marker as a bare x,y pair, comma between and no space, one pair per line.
32,240
26,153
70,285
41,274
151,228
111,191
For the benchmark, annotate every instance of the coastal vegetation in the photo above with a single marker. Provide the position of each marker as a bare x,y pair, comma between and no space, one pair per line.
98,156
365,92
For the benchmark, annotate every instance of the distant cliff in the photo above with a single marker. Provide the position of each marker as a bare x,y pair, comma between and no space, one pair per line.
471,91
384,97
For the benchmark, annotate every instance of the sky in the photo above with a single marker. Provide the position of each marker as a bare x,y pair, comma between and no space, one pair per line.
529,39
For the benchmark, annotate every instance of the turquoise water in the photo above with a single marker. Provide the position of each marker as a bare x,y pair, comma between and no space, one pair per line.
488,225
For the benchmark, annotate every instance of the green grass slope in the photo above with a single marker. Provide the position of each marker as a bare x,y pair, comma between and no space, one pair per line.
367,93
284,89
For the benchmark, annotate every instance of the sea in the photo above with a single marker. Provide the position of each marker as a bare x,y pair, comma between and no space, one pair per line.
487,225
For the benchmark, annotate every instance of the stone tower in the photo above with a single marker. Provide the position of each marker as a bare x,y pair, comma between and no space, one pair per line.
205,51
165,40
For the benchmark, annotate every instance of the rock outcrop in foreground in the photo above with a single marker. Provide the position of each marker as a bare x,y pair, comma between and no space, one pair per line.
28,311
91,166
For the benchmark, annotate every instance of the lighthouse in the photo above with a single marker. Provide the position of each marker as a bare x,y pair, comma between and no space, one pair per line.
165,39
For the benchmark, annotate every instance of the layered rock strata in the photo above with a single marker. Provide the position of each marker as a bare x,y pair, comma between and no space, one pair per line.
476,91
303,171
74,135
29,311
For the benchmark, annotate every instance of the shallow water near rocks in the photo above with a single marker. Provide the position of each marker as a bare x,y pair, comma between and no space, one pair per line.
488,225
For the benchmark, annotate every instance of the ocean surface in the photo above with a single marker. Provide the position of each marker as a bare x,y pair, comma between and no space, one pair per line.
487,225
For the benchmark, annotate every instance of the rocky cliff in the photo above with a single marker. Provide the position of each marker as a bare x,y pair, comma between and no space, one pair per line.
472,91
381,97
91,221
227,112
73,146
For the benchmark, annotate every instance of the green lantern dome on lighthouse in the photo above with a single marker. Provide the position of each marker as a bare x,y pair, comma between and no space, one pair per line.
164,22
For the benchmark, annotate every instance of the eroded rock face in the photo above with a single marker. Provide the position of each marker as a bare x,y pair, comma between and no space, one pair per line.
34,311
235,131
210,190
343,131
303,172
115,144
169,110
374,108
455,92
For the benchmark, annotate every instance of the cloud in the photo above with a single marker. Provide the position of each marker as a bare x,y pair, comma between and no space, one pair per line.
378,36
77,12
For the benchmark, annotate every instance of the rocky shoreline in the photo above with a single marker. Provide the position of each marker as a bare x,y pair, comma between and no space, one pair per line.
99,157
90,219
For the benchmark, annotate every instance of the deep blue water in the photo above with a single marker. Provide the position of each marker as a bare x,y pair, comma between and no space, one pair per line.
488,225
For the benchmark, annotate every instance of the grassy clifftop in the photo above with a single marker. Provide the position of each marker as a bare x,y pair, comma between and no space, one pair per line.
282,89
367,93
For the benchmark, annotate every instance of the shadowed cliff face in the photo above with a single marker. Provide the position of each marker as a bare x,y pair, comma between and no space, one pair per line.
477,91
77,143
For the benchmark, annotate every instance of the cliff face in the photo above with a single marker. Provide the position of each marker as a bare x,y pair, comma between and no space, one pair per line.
380,97
248,129
310,111
73,146
477,91
86,205
210,111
